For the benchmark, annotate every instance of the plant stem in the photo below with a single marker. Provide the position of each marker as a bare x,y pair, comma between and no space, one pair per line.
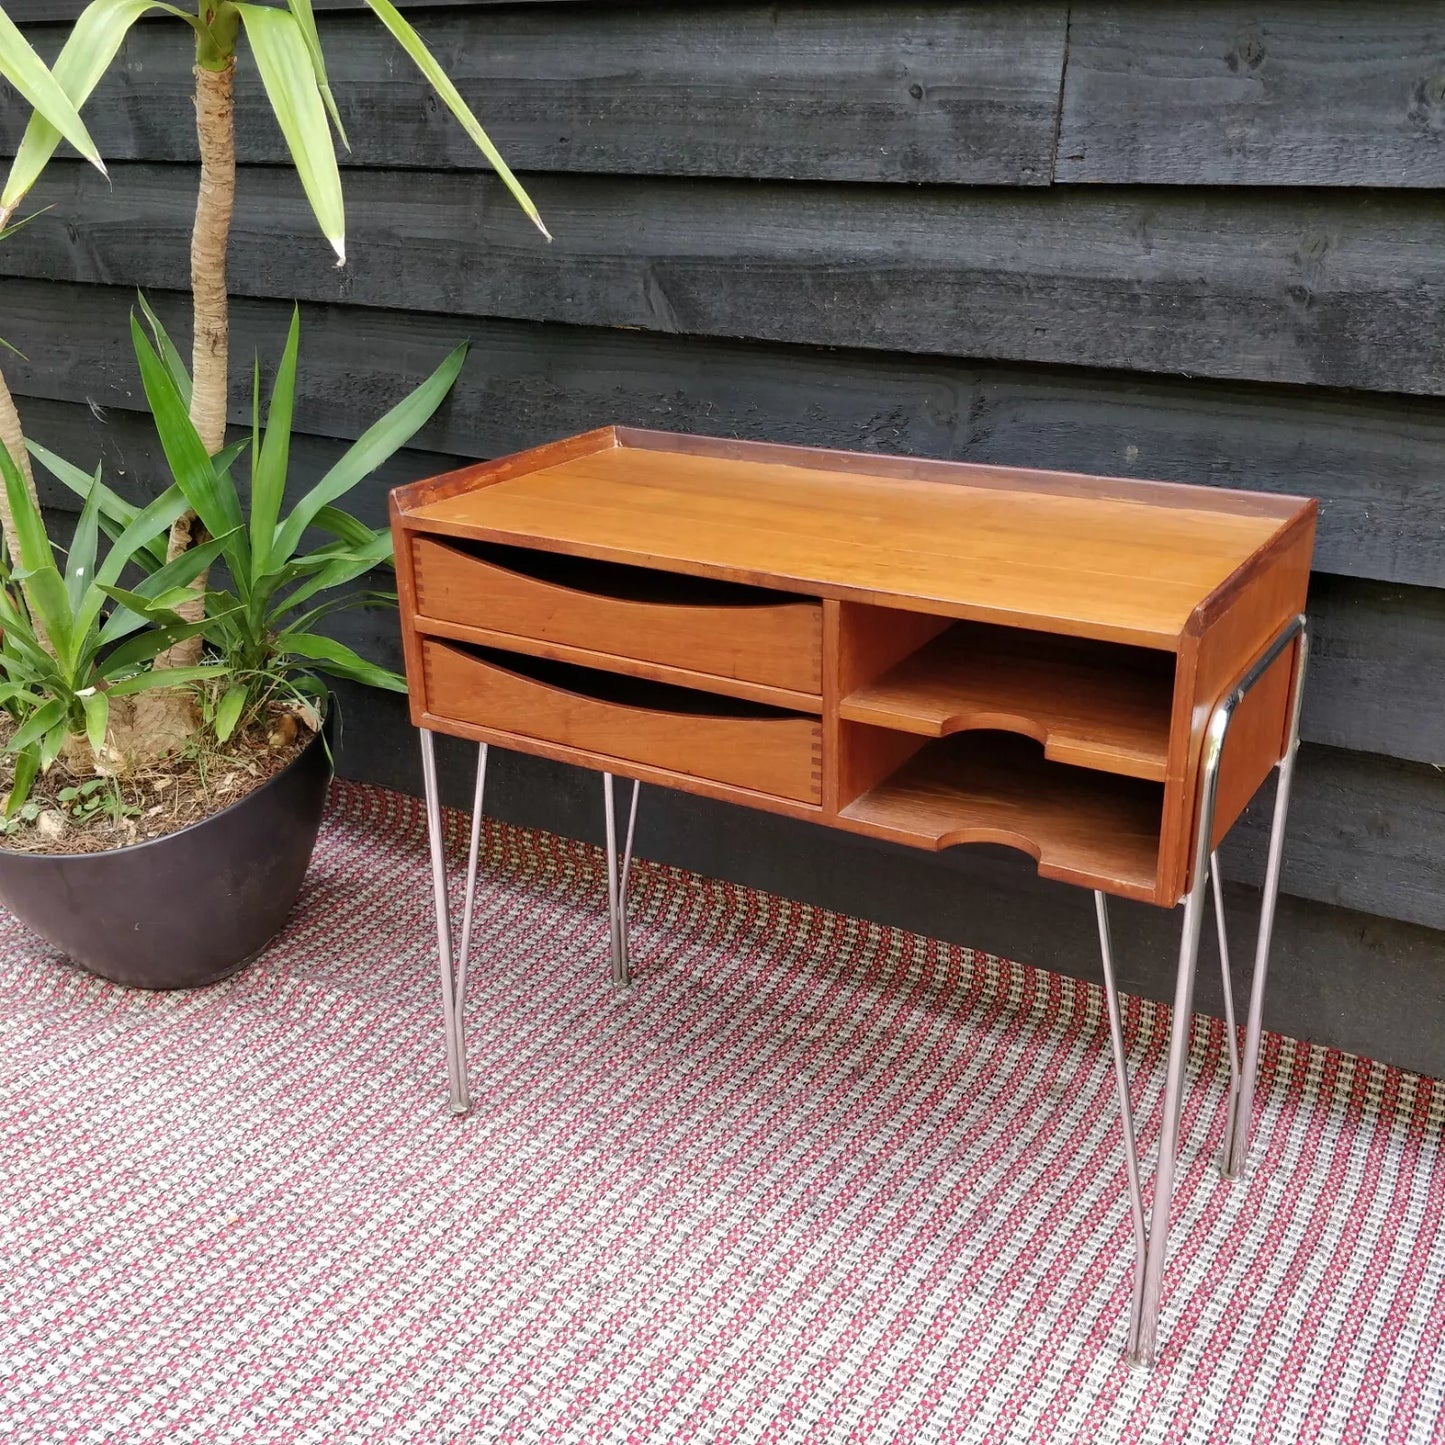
14,439
216,131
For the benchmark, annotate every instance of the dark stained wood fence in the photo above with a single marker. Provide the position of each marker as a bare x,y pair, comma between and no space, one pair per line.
1196,242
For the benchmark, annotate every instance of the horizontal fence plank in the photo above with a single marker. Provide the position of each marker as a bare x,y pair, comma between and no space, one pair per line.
855,92
1364,832
44,12
1295,93
1377,669
1281,287
1377,462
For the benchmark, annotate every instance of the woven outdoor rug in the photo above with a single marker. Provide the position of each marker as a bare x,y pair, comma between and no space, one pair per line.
810,1180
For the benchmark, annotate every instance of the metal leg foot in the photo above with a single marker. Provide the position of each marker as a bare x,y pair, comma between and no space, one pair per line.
453,981
618,872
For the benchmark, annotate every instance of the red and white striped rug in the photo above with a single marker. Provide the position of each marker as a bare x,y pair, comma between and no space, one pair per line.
810,1181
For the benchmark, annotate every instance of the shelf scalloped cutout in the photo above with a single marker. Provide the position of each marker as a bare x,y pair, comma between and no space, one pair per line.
1096,705
1094,829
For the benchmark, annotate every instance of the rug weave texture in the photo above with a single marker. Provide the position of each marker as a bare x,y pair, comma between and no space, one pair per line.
811,1180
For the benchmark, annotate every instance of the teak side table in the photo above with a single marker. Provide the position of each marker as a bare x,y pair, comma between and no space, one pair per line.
1098,672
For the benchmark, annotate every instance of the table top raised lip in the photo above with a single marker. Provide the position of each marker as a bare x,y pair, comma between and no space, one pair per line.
435,506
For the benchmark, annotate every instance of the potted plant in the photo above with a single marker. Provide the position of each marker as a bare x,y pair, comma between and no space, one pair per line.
138,690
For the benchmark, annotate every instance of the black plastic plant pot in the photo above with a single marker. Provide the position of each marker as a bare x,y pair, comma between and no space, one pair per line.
190,908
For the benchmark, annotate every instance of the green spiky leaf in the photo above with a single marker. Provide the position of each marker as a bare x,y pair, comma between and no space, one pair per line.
441,82
25,70
287,73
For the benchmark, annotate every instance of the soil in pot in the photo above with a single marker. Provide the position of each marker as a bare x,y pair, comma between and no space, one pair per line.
74,809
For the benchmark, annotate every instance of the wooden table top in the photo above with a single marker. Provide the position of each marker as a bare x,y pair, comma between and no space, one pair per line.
1093,557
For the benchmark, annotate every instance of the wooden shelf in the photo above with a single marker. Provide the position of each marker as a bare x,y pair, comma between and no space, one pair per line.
699,624
696,734
1095,705
1094,829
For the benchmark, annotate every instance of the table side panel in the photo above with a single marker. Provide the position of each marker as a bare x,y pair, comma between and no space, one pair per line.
1232,632
407,609
1256,742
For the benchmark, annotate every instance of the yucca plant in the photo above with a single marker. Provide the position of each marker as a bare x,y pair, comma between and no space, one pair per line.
285,45
195,907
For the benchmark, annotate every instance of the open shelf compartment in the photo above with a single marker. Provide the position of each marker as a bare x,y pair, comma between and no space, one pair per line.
1095,829
1098,705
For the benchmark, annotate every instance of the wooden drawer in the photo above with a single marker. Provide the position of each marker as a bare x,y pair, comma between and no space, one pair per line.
699,734
720,628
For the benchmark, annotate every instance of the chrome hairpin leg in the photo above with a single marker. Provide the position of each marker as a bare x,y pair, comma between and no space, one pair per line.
1152,1239
618,872
1126,1110
1237,1127
454,983
1216,879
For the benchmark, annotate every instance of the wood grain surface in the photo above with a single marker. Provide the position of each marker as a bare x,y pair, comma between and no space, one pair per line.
1294,93
858,92
1376,462
1093,829
681,622
619,717
599,527
1010,551
1096,705
1233,284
